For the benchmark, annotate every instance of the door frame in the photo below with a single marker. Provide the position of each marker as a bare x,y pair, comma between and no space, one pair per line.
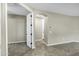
4,34
6,40
0,29
29,33
33,19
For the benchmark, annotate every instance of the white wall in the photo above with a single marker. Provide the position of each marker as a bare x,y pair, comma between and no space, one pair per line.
3,30
16,28
38,28
46,30
62,28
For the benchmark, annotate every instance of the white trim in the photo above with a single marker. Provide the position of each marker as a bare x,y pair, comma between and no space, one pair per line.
29,31
15,42
33,31
59,43
4,20
0,29
76,41
6,29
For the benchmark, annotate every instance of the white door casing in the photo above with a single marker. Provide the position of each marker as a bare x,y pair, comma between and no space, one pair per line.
29,30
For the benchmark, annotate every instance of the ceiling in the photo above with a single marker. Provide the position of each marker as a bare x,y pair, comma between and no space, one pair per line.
71,9
16,9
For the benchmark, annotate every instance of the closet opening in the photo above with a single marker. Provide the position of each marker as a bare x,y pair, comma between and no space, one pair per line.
17,17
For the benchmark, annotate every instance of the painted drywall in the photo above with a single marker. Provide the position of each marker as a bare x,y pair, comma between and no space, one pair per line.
16,28
38,28
3,30
62,28
46,31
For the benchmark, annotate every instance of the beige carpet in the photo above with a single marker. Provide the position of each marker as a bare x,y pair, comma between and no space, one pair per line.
20,49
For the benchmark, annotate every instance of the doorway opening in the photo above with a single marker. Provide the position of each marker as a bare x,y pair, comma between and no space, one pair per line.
40,23
18,29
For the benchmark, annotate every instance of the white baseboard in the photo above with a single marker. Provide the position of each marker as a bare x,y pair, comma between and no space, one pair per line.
58,43
76,41
15,42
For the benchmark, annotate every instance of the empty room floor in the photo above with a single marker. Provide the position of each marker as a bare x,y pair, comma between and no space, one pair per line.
20,49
